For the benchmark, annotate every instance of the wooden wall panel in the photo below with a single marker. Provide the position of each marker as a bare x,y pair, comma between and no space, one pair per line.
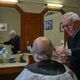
31,28
22,37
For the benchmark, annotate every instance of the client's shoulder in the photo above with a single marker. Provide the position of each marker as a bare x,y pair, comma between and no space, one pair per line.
48,67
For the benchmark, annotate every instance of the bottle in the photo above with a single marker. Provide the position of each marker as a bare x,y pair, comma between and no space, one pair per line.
28,47
4,55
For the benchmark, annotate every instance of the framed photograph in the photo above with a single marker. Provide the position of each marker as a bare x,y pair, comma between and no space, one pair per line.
48,25
3,26
61,28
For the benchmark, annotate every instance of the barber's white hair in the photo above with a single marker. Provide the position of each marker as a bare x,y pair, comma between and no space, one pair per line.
13,31
72,15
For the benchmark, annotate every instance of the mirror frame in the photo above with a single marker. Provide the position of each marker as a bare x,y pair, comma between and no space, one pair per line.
62,12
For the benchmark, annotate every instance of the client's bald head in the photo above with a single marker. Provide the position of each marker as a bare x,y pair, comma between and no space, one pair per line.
42,49
42,42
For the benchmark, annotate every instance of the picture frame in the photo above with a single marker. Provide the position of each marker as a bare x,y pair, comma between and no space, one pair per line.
48,25
3,26
61,28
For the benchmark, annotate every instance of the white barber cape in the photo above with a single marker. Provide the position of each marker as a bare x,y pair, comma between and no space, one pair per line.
28,75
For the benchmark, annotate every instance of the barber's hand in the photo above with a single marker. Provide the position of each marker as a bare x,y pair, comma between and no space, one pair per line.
1,42
62,53
11,46
61,50
63,58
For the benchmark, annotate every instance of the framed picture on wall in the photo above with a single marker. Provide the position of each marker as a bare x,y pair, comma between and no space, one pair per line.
48,25
3,26
61,28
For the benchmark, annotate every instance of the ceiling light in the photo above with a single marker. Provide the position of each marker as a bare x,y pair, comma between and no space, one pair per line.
54,5
7,1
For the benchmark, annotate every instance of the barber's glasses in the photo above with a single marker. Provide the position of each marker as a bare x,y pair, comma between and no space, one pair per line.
67,27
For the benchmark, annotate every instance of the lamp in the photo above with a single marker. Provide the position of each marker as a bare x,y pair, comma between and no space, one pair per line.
54,5
9,1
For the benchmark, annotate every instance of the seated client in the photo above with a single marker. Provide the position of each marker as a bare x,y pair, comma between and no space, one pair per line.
45,68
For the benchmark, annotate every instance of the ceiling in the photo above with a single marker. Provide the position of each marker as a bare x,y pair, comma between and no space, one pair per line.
37,6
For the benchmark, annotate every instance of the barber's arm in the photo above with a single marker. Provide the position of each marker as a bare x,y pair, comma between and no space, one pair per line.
75,52
6,42
68,52
74,46
63,53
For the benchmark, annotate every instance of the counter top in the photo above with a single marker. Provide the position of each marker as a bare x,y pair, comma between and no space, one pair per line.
9,65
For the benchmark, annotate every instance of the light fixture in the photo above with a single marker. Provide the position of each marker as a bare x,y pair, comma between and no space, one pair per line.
54,5
8,1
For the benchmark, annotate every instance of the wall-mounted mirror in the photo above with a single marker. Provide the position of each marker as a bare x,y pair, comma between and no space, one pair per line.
10,17
52,27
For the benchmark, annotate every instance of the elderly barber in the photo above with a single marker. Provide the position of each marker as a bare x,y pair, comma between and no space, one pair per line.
71,24
45,68
14,41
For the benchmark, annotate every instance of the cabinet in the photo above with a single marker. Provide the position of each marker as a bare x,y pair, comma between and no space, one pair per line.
9,71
